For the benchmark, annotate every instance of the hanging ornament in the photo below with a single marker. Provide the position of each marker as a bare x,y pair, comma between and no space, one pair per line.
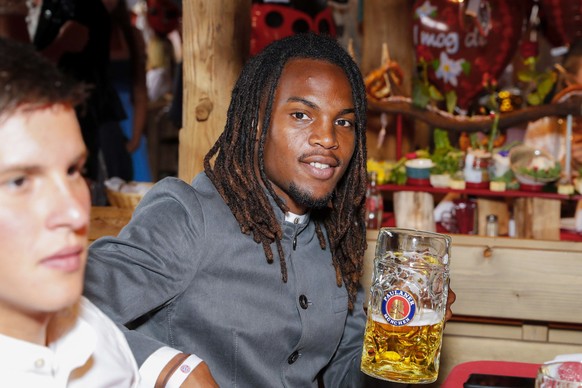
273,20
464,41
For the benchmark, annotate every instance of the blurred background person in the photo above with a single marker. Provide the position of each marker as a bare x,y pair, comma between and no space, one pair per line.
127,69
160,25
13,15
75,34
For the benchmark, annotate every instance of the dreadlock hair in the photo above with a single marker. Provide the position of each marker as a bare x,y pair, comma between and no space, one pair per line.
233,172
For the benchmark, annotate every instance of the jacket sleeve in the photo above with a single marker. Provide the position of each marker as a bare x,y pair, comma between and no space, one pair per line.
344,368
135,275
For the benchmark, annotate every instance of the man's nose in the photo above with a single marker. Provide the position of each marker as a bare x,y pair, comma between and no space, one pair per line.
324,135
69,204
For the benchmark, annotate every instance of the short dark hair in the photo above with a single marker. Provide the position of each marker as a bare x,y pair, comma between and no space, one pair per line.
30,81
233,172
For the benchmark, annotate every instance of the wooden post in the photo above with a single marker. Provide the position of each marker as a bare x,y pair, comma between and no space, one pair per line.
216,39
415,210
389,21
537,218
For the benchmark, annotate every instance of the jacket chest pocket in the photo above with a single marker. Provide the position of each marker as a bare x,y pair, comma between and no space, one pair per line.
339,304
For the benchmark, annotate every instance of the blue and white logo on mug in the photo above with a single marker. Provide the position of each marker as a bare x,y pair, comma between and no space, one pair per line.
398,307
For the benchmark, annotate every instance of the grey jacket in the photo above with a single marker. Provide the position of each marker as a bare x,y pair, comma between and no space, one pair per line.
181,274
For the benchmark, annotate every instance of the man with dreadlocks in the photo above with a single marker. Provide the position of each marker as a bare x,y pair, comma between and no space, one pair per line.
254,267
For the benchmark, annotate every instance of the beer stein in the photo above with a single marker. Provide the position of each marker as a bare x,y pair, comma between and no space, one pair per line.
560,374
407,305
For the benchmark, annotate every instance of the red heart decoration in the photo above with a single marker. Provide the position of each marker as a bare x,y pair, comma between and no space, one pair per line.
466,43
561,20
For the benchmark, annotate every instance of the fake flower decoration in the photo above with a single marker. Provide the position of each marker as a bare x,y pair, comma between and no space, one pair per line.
449,69
459,41
426,9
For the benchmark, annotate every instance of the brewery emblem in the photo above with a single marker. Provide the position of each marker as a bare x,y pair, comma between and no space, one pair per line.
398,307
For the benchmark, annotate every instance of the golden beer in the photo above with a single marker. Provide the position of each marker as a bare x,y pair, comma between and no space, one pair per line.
408,353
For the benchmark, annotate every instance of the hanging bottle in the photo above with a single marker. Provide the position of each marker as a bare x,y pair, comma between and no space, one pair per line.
374,203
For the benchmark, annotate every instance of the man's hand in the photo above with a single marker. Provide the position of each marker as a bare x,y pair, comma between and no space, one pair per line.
200,377
450,300
73,37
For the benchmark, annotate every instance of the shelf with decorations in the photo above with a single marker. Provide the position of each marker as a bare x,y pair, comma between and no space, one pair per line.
480,192
531,214
536,199
536,205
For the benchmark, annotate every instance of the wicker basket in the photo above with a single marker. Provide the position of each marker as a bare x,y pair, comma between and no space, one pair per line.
124,200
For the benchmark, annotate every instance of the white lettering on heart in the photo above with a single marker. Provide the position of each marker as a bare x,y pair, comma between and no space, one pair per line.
475,39
447,40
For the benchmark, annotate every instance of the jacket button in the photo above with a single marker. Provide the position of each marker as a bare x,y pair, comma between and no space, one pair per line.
303,302
293,357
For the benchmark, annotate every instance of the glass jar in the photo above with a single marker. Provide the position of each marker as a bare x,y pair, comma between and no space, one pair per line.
477,169
492,226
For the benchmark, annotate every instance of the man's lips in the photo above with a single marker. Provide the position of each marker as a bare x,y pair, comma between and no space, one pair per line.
320,166
321,161
67,259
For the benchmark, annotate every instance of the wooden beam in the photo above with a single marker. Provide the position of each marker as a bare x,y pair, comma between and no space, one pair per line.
442,119
216,38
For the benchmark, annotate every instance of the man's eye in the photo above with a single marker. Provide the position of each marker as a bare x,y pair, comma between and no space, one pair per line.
344,123
16,183
299,115
74,170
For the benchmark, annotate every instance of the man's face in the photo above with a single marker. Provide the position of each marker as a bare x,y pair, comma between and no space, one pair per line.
44,214
312,135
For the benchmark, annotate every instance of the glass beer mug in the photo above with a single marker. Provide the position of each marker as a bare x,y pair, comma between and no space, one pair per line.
560,374
407,305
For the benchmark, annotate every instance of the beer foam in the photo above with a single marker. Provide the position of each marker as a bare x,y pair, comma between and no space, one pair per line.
426,317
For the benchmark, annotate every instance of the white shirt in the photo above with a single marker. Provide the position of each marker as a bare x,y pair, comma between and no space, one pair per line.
87,350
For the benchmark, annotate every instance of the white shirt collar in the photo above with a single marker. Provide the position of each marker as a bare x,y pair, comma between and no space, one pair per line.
296,218
70,349
86,349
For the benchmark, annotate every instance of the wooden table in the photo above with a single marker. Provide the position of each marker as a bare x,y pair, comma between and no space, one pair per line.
107,221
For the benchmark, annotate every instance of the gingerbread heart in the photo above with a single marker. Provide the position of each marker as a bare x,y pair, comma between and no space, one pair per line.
466,43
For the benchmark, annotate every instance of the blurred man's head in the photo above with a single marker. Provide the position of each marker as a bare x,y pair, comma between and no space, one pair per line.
44,200
28,81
